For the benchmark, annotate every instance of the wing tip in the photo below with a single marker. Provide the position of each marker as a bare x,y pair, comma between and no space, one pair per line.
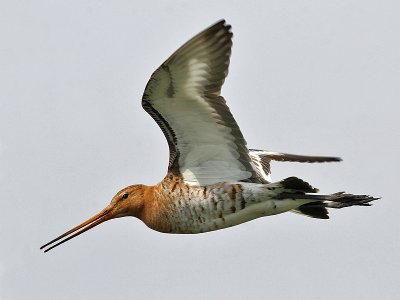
219,25
286,157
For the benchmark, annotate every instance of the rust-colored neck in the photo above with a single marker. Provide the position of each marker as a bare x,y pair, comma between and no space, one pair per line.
156,208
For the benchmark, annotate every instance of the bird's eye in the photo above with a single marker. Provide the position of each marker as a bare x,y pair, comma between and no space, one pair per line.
124,196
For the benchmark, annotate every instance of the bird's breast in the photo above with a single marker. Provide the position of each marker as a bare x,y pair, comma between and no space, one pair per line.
182,208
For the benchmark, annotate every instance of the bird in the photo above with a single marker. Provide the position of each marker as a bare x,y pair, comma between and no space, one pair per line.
214,181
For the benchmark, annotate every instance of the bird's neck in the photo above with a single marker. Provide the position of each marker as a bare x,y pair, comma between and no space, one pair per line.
156,208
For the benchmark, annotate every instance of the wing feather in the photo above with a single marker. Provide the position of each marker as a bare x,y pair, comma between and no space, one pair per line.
262,161
183,97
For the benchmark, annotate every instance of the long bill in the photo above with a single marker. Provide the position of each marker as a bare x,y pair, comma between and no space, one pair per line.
104,215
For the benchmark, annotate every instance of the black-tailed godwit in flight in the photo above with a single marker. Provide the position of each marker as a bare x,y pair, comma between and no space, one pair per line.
213,180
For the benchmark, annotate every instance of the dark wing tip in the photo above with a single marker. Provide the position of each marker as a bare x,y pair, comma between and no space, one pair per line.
216,27
304,158
220,23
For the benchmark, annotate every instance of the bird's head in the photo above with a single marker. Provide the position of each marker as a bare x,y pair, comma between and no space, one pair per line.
127,202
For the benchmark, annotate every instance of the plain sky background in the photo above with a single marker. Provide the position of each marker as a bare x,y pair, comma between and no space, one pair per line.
306,77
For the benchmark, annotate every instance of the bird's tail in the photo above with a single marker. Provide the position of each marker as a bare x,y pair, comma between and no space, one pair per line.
297,189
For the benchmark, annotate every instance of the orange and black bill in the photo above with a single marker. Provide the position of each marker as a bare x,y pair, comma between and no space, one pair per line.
104,215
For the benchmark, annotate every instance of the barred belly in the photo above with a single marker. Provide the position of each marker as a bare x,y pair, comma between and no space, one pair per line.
202,209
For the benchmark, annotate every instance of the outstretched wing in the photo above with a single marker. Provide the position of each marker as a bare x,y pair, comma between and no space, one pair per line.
262,161
183,97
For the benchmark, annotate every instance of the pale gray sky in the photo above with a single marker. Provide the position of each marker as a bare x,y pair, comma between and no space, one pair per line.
308,77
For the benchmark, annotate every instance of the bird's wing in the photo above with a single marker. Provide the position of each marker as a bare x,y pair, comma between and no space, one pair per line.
262,161
183,97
